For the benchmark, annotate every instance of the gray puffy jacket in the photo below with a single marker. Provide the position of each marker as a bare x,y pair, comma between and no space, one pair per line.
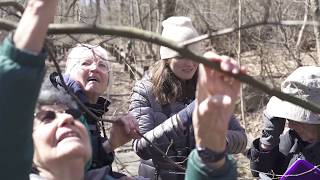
160,126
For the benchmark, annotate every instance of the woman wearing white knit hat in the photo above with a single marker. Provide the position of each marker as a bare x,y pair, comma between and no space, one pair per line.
163,102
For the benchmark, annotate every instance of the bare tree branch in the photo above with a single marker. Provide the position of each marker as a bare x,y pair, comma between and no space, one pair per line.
242,103
70,7
305,18
247,26
316,17
13,4
130,32
7,25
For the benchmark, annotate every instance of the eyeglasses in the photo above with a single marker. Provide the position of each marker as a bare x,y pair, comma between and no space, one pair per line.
101,64
50,115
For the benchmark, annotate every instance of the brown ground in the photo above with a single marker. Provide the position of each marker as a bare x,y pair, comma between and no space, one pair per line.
127,161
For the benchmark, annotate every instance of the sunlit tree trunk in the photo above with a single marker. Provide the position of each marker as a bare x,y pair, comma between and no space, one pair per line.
316,19
169,7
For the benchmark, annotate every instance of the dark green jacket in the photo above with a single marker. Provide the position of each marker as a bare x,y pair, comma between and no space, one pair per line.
21,74
196,170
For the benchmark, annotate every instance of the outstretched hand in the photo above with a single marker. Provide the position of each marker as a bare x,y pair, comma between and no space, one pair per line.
33,26
123,130
215,100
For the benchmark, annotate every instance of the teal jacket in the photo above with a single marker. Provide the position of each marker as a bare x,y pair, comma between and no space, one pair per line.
21,74
196,170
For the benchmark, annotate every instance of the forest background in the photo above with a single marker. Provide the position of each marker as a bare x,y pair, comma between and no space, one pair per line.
254,32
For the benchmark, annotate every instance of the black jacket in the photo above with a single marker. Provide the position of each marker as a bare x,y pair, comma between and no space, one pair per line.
281,157
99,157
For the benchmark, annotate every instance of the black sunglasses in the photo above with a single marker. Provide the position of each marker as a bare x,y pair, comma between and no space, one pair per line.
50,115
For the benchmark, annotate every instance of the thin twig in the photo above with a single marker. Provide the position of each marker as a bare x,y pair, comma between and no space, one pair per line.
70,7
247,26
13,4
162,154
242,105
180,48
305,18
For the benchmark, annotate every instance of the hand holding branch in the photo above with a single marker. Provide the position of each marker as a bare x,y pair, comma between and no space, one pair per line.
215,100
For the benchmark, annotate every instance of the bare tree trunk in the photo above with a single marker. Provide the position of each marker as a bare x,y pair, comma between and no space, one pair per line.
316,19
121,9
132,23
79,12
169,8
151,5
110,10
98,13
144,26
243,117
266,6
159,10
139,15
298,44
61,11
233,9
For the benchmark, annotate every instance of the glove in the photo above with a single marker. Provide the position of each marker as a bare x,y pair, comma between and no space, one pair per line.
262,161
273,125
185,115
273,128
73,85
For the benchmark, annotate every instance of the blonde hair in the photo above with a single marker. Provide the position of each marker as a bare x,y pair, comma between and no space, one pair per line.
85,51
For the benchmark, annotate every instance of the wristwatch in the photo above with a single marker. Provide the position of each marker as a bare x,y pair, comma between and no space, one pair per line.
209,156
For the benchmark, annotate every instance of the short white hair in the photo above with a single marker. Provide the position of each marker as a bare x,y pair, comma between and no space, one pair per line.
85,51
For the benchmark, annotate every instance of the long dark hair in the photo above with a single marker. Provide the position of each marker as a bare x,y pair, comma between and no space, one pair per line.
167,87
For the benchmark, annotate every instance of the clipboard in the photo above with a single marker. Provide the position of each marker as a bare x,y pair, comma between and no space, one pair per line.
301,166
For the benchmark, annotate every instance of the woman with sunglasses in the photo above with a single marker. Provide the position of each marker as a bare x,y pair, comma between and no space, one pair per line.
21,73
22,62
61,141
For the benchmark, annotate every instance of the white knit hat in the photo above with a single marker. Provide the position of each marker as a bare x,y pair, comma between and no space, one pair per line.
303,83
178,29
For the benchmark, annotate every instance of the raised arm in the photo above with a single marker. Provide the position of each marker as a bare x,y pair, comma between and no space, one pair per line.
215,99
21,73
33,25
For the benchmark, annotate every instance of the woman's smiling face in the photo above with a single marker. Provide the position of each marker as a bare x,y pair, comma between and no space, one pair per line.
59,136
183,68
